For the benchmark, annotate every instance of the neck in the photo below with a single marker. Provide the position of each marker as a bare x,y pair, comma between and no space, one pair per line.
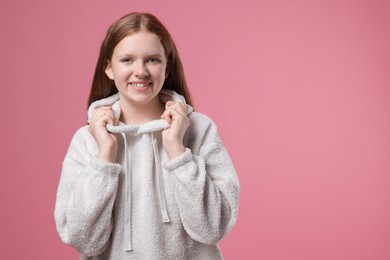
135,114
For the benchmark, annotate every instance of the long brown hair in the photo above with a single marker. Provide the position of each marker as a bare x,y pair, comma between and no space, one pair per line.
103,87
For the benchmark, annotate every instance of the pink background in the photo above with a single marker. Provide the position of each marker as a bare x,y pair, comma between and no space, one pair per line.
300,91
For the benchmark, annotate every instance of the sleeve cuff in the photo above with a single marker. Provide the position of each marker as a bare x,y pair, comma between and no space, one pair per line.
106,167
179,161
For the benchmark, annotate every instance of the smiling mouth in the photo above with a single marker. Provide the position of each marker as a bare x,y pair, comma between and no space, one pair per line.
140,85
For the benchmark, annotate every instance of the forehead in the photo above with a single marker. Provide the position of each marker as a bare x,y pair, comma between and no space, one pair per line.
140,43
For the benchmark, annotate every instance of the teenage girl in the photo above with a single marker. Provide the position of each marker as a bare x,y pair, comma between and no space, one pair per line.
147,178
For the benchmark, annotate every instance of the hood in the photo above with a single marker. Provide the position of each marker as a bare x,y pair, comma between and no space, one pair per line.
149,127
152,126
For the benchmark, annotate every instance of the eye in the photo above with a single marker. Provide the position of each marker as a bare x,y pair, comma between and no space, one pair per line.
154,60
126,60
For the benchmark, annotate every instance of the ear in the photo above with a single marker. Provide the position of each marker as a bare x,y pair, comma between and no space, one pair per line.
108,70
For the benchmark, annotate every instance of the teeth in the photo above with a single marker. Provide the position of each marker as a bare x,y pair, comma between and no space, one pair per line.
137,85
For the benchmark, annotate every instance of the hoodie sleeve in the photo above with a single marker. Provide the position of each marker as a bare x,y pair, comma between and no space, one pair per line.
85,196
207,188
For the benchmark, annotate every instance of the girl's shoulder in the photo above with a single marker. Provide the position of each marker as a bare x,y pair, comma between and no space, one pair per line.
82,135
203,129
83,142
200,121
200,118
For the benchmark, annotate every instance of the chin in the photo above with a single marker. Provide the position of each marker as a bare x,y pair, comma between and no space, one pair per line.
140,100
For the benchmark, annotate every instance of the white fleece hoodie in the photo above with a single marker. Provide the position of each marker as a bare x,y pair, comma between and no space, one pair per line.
146,206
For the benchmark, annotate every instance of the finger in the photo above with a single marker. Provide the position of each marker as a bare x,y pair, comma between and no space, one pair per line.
166,112
181,108
106,108
169,104
175,115
104,112
103,118
100,110
178,106
110,120
167,116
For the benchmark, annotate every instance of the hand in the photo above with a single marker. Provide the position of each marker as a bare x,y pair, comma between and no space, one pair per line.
176,115
107,142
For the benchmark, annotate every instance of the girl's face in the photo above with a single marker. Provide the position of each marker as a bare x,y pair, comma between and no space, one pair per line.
138,67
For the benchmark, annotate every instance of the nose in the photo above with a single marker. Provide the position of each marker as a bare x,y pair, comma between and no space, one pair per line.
140,70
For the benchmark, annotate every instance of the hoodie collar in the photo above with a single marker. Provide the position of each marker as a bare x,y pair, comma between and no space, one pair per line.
149,127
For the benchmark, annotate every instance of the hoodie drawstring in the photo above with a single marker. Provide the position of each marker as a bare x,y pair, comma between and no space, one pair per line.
160,191
160,187
128,206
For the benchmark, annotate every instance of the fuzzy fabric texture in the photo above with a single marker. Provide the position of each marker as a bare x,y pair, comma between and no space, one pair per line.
146,206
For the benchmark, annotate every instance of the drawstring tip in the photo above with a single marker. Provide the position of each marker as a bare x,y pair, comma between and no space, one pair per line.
166,219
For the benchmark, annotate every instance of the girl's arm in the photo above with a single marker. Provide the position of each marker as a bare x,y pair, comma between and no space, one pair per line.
85,196
207,188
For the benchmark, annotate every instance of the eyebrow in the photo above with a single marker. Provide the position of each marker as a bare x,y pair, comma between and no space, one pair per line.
147,56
